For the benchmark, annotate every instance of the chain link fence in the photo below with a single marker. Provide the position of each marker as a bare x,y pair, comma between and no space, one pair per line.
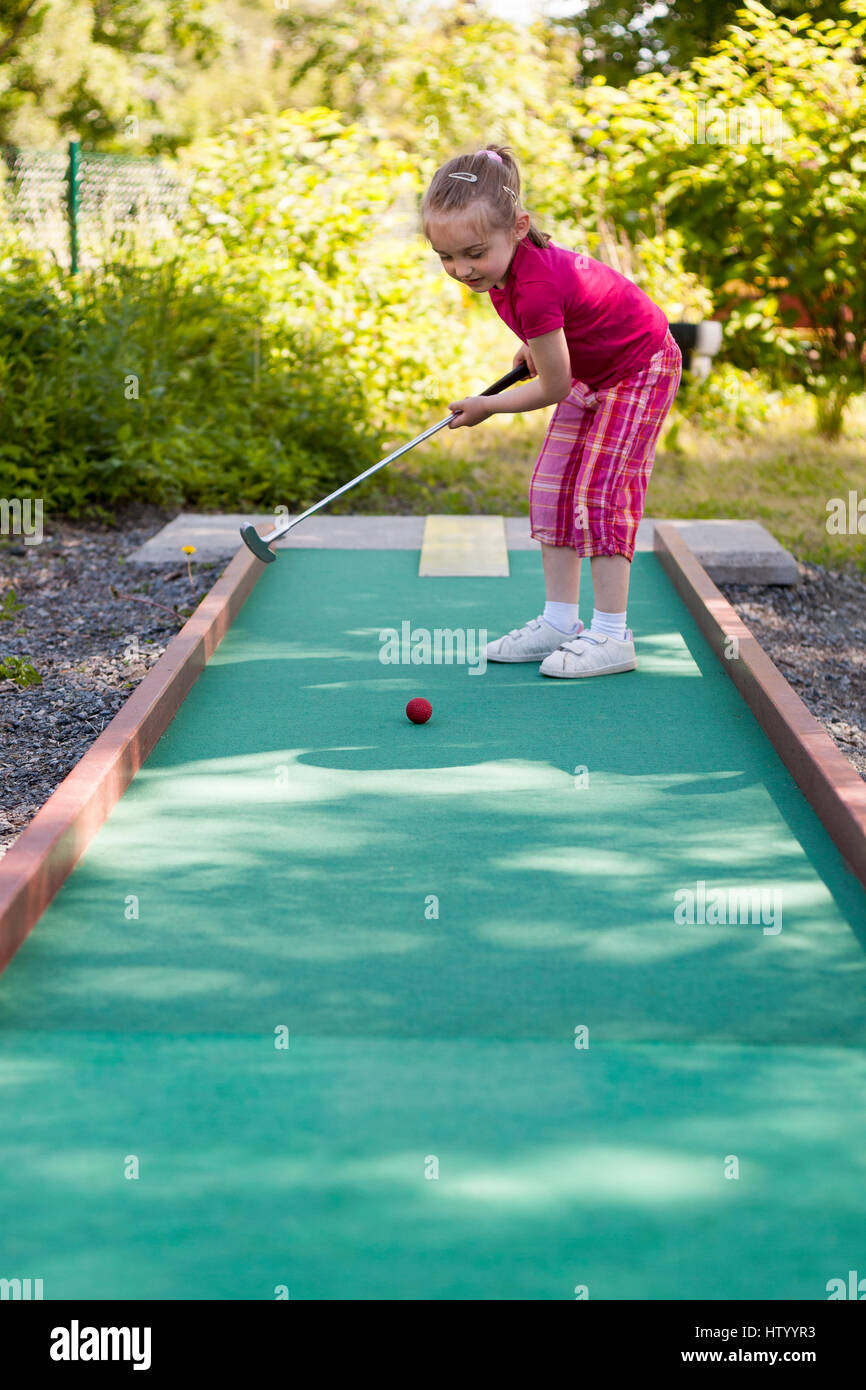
74,204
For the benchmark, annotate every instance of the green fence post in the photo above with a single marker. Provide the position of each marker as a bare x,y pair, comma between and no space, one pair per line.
72,203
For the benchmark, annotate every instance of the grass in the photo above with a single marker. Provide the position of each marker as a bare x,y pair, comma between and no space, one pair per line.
778,471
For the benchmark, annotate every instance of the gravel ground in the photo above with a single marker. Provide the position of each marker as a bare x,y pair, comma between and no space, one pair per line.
93,626
90,647
815,632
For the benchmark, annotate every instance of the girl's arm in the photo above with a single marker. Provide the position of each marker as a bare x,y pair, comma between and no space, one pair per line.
550,356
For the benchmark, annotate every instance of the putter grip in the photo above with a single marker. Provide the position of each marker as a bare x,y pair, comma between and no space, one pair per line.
510,378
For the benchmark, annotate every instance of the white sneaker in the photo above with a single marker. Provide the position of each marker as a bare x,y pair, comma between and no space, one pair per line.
591,654
532,642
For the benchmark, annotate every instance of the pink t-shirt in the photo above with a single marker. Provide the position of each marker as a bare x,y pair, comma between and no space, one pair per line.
612,327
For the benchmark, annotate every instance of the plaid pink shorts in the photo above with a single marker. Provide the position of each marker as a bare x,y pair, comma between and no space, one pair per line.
589,482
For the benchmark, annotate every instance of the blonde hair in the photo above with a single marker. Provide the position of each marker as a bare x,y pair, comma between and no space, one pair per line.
493,193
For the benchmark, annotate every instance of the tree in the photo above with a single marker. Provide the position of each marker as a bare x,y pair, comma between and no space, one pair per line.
757,155
85,67
622,39
18,20
444,79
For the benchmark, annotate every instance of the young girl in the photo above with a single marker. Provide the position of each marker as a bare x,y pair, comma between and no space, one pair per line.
600,350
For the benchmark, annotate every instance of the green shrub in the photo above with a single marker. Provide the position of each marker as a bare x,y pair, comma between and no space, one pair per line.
256,359
159,383
10,606
759,164
729,399
17,669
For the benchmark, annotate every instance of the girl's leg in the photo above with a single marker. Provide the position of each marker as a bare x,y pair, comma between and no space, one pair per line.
552,512
610,576
562,573
630,424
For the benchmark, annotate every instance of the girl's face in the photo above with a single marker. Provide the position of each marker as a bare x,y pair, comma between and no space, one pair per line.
475,258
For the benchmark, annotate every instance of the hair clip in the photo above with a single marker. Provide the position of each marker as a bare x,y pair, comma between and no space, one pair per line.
470,178
510,190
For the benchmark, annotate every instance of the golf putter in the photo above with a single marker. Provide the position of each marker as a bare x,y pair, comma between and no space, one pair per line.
261,545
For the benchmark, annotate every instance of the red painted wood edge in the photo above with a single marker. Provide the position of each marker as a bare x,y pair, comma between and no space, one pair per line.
831,785
43,856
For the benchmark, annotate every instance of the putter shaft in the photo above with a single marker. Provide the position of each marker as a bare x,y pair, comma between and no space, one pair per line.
261,545
280,531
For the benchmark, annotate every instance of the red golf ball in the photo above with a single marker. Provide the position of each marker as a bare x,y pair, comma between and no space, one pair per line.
418,710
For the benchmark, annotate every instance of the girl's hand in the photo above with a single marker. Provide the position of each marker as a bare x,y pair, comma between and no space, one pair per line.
524,355
472,410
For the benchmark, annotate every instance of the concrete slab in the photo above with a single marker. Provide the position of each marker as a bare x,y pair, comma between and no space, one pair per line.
217,536
733,552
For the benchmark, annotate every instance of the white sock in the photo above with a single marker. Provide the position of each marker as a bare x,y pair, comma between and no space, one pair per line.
613,624
562,616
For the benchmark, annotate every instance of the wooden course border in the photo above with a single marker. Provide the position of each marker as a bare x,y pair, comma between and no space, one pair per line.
830,784
45,853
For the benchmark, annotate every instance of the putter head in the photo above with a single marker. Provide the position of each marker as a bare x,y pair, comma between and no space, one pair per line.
251,538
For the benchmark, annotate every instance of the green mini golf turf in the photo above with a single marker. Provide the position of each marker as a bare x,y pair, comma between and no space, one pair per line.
431,912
